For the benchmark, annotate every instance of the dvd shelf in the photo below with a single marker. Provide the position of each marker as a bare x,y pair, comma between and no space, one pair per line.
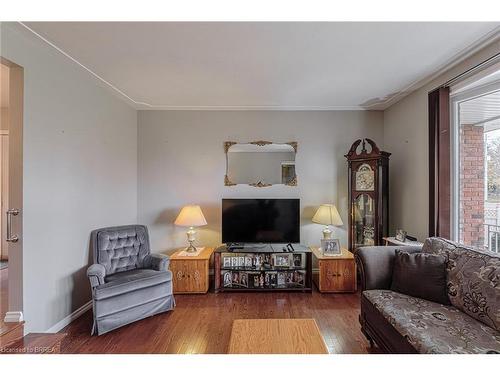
256,271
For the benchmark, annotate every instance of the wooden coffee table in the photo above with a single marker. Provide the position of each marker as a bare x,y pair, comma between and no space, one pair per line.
276,336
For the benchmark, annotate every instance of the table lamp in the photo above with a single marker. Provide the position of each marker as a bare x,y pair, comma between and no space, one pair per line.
191,216
327,214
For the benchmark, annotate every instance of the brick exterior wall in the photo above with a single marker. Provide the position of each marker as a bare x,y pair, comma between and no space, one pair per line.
472,185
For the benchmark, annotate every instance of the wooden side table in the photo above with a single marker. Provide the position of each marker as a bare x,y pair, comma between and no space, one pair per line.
190,273
336,274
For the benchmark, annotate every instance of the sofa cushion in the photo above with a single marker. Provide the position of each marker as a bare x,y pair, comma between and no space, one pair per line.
127,281
474,284
439,246
432,327
420,275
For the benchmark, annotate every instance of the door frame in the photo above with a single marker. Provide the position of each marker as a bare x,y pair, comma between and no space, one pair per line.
15,249
4,191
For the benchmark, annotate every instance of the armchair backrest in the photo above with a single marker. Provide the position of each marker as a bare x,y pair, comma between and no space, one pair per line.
120,248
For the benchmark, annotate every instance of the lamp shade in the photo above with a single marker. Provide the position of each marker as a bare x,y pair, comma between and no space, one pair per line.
190,216
327,214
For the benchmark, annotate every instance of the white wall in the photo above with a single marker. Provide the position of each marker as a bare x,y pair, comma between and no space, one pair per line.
80,173
406,136
182,161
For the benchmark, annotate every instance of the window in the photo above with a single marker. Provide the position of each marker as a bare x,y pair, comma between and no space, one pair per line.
476,166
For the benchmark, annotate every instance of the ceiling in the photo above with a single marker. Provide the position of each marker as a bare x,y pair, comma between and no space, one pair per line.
276,65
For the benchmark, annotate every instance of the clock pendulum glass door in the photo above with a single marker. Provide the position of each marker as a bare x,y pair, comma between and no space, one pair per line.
364,221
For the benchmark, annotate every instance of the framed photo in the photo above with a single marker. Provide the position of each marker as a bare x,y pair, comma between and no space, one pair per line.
244,279
227,262
236,278
281,279
297,260
234,261
253,279
248,261
297,278
281,260
261,280
258,260
227,279
241,261
273,278
267,279
331,247
401,235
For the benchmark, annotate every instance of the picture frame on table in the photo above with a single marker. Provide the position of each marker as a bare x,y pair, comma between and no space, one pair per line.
244,279
281,279
297,260
236,278
331,247
227,279
253,279
273,278
281,260
401,235
241,261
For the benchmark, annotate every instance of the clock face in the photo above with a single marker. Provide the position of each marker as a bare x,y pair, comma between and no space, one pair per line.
365,178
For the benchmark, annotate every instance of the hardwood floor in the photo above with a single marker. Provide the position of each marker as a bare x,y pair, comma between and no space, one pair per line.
202,324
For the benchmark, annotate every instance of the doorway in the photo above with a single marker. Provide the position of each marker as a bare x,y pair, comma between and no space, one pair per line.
11,129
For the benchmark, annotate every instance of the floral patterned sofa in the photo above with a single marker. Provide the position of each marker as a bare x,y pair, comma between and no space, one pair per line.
399,323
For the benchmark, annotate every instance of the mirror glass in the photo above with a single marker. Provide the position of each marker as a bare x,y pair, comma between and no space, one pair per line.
261,164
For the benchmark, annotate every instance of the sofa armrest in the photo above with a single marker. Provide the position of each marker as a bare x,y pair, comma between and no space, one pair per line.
96,274
157,262
375,264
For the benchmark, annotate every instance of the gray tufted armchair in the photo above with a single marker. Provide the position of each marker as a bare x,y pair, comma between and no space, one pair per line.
128,282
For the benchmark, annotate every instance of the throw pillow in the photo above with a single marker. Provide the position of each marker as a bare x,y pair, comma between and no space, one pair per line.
474,284
420,275
439,246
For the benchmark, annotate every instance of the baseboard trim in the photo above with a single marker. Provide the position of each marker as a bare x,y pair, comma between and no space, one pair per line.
13,317
71,317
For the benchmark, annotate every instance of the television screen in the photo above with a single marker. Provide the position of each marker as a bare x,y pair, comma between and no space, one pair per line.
261,220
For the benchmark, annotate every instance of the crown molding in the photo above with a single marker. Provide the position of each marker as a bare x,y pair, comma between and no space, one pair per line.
251,108
380,105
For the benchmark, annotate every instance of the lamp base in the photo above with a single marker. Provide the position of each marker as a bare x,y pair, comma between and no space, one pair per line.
327,233
191,236
191,248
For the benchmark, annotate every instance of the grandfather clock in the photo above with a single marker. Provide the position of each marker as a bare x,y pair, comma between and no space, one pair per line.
368,194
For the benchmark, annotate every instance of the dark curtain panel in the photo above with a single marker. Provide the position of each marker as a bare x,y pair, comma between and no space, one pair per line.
439,163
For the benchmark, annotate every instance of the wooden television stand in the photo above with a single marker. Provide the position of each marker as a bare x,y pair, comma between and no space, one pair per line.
263,268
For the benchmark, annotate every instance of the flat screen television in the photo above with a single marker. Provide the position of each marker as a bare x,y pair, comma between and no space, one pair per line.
261,220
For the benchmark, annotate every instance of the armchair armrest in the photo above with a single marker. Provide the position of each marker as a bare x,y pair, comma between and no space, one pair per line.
96,274
157,262
375,264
